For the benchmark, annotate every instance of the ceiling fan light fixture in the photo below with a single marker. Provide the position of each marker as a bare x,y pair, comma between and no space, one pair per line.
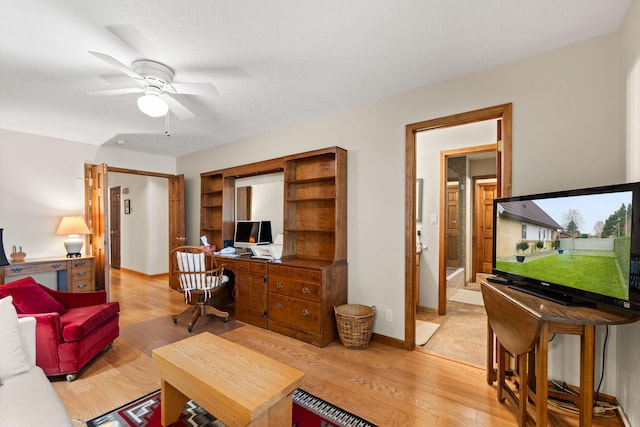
153,105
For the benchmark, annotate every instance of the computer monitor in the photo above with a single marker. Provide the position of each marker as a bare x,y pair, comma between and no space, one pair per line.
250,233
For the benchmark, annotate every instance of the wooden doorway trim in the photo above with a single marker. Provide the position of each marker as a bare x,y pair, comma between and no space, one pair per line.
442,238
503,112
96,195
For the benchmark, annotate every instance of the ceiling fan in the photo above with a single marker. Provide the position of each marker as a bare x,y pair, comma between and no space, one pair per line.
155,81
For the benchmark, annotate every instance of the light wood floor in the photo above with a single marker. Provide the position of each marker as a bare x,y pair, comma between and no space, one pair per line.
385,385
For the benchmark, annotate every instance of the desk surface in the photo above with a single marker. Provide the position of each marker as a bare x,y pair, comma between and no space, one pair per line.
550,311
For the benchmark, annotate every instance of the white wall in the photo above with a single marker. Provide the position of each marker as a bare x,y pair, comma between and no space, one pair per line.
563,101
144,243
628,337
41,179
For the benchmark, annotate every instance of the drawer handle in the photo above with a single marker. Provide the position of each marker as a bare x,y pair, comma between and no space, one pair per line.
279,285
306,290
16,269
82,273
306,313
279,305
82,286
80,264
56,265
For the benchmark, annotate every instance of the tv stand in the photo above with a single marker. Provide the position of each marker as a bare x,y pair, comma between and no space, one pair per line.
521,324
557,297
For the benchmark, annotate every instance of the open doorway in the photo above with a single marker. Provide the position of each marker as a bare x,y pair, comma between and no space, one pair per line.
502,150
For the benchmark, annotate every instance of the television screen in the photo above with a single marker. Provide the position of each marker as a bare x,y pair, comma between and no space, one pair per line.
250,233
572,246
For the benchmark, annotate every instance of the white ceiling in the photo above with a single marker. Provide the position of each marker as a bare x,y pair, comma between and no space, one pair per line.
274,62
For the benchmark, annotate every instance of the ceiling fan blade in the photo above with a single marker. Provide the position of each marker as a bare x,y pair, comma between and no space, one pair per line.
110,92
116,64
195,88
130,36
177,108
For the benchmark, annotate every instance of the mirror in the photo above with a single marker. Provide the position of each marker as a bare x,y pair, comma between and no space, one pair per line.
261,198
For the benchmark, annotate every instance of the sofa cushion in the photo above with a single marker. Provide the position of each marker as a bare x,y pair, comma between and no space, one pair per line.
13,360
30,298
80,321
29,399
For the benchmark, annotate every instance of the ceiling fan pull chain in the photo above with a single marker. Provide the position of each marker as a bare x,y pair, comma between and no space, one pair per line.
166,125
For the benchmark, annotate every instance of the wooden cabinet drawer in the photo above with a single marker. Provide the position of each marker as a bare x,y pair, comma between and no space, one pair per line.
81,286
303,290
82,264
300,314
14,269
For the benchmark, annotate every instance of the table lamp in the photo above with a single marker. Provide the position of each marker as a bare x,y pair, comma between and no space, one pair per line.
73,226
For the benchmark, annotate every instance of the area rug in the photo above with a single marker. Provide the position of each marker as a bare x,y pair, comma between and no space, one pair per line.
468,297
424,331
140,335
308,411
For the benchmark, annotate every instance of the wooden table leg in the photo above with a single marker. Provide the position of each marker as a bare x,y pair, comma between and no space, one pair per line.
587,365
172,403
491,372
542,388
502,354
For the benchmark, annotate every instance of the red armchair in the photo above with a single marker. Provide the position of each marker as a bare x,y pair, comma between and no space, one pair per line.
71,327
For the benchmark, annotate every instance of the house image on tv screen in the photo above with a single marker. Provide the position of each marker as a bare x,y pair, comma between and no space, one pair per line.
524,229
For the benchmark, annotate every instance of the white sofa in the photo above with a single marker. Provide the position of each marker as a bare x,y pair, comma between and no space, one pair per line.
28,399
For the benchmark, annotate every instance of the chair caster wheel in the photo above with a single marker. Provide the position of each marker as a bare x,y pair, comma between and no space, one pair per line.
175,320
71,377
190,328
226,319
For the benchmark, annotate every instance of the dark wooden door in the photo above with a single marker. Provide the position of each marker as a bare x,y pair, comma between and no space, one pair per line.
453,225
177,235
114,226
485,192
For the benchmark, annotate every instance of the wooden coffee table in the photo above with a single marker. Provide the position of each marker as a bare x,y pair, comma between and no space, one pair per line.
235,384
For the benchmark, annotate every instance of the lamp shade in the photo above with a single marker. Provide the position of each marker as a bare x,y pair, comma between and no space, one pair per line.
74,226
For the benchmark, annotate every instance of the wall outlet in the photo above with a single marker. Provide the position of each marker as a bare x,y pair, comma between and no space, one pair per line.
388,315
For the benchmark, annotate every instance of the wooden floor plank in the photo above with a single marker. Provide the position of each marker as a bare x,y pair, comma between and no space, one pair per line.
385,385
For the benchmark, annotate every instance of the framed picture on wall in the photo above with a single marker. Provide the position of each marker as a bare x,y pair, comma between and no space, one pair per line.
127,206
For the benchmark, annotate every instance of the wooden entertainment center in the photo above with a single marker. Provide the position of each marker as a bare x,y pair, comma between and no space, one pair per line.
295,295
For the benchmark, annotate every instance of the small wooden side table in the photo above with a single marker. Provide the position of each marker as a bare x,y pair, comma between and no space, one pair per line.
522,324
235,384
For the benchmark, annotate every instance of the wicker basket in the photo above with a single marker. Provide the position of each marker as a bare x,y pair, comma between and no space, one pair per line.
355,324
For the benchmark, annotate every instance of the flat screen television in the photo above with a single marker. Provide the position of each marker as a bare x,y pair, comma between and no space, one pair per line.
251,233
574,247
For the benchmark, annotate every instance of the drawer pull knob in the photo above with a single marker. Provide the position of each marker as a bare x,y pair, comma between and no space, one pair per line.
279,305
306,313
306,290
56,265
82,273
279,285
16,269
82,286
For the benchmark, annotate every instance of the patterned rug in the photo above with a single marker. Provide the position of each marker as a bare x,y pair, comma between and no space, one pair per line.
308,411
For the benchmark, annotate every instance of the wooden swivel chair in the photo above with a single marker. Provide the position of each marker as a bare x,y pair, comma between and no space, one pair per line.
202,282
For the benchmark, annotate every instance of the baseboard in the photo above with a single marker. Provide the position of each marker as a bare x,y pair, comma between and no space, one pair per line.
383,339
427,310
138,273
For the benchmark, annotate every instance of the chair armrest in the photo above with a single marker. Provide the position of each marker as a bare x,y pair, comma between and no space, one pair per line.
78,299
48,327
27,329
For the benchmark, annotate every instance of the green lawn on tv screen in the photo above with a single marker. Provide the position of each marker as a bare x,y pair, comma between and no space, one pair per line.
598,274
